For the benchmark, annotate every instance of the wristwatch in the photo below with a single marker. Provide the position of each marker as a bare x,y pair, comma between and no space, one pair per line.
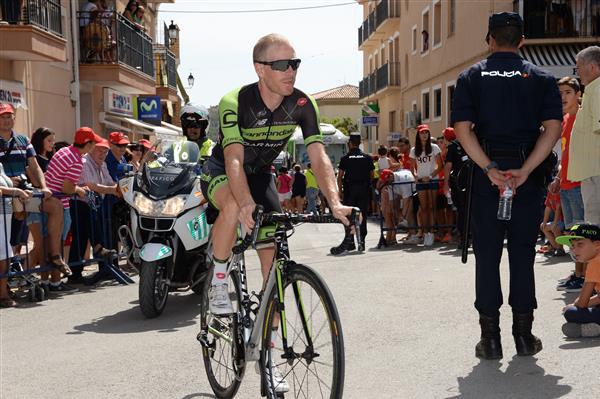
492,165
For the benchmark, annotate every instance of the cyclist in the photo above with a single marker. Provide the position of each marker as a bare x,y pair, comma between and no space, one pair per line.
257,121
195,122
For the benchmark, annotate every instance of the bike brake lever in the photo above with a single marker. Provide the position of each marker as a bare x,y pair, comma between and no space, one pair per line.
257,216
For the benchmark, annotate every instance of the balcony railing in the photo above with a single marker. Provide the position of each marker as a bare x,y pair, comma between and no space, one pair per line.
166,67
109,38
573,19
45,14
384,10
386,76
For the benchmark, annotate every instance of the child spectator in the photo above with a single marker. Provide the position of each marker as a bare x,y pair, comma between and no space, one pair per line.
583,316
554,228
383,162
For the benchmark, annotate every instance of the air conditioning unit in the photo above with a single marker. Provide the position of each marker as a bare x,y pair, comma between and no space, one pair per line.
412,119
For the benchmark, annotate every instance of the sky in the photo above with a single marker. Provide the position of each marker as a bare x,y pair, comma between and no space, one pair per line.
217,48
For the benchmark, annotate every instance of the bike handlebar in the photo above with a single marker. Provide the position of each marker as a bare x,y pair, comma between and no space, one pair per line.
261,218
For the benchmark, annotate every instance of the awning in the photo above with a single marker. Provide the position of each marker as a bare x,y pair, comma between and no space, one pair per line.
557,59
177,129
140,127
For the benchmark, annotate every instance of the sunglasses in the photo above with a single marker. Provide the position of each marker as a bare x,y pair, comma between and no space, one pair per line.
282,65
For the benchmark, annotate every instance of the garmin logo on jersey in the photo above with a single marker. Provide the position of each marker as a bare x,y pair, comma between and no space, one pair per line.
229,118
504,74
302,101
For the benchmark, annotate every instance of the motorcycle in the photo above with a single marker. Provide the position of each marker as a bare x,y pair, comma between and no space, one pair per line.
168,234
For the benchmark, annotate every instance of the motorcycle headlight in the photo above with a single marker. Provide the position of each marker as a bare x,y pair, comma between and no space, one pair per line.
169,208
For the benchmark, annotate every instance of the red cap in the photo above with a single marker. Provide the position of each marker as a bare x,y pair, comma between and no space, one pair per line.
145,143
103,143
6,108
118,138
85,134
449,134
385,174
422,128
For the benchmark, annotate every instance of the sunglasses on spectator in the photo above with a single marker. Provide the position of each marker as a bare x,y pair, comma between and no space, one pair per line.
120,145
282,65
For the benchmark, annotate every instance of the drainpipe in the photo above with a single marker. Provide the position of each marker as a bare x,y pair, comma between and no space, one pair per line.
75,60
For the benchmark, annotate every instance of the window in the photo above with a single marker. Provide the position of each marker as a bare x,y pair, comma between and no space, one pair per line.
425,105
437,102
425,31
414,39
451,17
449,99
392,121
437,24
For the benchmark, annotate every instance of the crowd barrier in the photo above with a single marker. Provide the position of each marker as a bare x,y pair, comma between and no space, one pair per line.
402,204
20,269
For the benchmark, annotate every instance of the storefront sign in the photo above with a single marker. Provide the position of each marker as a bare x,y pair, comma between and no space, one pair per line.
118,103
13,93
370,120
149,109
394,136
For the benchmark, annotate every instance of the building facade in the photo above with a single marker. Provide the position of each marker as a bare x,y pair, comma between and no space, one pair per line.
340,102
63,68
414,51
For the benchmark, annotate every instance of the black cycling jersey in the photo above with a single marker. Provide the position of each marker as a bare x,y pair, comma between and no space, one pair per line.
245,119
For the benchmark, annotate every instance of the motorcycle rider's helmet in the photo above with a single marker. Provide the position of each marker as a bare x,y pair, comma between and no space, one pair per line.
194,116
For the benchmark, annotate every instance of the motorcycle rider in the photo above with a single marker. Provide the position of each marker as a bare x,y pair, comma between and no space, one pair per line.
195,122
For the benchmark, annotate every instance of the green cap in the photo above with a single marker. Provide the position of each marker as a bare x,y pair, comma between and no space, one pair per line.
580,231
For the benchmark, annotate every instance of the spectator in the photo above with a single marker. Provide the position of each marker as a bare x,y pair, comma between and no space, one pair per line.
383,162
7,191
444,212
554,228
583,316
394,158
118,146
298,189
312,190
570,192
64,172
15,154
95,176
455,177
426,163
43,140
85,12
284,188
136,151
404,148
585,141
132,5
138,17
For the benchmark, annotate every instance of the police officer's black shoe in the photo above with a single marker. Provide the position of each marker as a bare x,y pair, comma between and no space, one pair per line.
526,343
361,246
490,346
344,247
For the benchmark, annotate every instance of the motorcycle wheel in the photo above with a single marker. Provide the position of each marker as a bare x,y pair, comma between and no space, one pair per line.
153,289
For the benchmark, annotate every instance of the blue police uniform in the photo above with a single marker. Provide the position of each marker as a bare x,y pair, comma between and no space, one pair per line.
507,99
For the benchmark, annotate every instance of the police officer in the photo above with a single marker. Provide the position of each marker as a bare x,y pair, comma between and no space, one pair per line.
455,176
195,123
505,100
354,178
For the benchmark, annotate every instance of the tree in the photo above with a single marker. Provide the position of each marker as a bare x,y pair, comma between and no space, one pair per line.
345,125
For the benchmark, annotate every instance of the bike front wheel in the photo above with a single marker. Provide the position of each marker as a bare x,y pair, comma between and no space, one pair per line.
303,338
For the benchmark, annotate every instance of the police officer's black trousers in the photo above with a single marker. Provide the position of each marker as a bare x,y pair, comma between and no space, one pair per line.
488,238
358,197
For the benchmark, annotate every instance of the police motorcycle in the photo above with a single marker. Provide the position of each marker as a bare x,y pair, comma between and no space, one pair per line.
168,235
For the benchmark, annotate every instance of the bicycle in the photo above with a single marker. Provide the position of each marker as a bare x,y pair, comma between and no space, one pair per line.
261,328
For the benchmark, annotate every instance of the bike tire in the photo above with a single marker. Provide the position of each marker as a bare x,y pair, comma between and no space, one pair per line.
152,303
297,273
237,347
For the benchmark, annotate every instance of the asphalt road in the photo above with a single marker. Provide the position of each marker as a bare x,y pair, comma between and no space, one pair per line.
407,314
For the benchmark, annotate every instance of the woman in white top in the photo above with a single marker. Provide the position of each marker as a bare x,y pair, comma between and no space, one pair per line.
426,163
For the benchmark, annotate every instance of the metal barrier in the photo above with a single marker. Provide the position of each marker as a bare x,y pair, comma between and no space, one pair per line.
100,220
402,200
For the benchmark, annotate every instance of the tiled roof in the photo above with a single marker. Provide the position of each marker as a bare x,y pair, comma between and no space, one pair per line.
342,92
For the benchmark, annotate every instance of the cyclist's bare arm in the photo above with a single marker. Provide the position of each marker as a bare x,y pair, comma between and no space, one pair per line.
238,183
326,180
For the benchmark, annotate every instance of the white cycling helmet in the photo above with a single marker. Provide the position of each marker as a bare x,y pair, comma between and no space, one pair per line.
194,116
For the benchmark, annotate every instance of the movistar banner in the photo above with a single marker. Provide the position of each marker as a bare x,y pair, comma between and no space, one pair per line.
148,109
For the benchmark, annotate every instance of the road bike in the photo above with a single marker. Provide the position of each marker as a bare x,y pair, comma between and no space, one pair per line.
292,324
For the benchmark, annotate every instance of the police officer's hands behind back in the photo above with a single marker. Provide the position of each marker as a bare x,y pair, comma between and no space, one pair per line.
497,177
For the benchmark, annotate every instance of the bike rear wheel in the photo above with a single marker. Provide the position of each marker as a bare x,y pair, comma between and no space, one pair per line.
313,363
222,343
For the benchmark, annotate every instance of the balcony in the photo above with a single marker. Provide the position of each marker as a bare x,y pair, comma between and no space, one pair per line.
383,18
33,34
166,73
116,53
377,83
573,22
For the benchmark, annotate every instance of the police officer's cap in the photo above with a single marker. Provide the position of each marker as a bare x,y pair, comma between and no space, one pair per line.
355,137
503,19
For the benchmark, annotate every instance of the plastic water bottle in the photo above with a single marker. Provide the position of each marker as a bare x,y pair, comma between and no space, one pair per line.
505,204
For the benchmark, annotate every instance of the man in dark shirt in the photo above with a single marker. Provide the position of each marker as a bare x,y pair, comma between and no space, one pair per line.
354,180
506,101
455,174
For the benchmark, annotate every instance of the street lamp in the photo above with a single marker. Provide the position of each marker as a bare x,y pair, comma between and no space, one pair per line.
191,80
173,29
